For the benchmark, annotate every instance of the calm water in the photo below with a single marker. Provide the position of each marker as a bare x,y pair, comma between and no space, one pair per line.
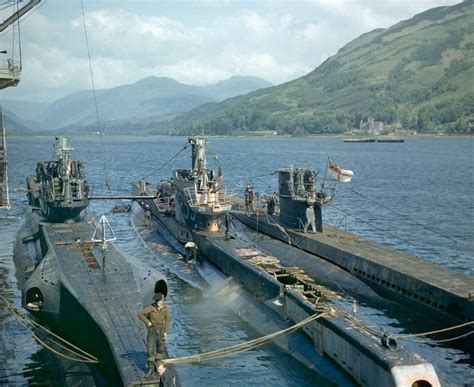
415,196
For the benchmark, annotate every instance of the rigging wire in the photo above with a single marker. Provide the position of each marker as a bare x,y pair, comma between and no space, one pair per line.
167,162
332,205
13,33
257,176
107,181
403,215
24,17
19,33
7,6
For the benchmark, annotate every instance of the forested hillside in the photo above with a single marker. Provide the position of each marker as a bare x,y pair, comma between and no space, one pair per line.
417,74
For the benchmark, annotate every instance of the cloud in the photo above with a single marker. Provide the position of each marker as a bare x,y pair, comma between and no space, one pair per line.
275,40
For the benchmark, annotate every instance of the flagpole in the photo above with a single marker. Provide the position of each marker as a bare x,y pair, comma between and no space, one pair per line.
325,172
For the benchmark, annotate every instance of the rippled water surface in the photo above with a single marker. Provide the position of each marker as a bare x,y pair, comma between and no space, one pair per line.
415,196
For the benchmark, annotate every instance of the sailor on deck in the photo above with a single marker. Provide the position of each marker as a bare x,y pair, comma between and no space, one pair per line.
310,218
249,196
148,216
156,318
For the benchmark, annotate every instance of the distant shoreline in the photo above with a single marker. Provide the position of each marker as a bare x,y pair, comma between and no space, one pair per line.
283,136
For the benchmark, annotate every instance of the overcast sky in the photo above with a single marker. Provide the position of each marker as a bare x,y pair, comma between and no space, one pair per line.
194,42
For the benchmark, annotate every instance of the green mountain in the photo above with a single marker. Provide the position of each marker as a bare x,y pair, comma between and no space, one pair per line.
416,74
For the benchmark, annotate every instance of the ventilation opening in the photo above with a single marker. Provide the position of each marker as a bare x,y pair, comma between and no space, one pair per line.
421,383
161,287
34,299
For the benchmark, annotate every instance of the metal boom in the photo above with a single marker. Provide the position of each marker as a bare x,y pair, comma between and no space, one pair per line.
18,14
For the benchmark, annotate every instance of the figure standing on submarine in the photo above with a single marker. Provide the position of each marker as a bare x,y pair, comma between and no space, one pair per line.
156,318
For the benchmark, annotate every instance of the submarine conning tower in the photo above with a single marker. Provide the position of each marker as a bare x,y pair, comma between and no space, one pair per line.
297,193
59,187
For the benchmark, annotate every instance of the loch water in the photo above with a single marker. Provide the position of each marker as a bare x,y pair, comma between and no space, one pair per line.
415,196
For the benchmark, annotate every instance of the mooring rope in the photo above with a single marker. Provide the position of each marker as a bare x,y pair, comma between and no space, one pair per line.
439,341
409,336
379,332
79,355
242,347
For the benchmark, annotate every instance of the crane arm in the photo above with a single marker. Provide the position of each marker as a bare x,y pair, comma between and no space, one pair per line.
18,14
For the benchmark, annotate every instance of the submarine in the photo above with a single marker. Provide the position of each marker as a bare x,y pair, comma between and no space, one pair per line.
442,294
75,280
196,210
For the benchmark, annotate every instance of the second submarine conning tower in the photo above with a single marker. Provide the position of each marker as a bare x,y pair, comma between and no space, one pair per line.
297,193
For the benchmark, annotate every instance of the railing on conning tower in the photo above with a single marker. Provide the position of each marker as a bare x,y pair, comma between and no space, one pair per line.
202,200
308,191
303,191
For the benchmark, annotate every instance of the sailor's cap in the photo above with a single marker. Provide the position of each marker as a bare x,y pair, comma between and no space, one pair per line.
158,297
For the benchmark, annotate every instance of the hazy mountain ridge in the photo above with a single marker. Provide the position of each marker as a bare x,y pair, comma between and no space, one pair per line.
416,74
28,109
10,120
155,98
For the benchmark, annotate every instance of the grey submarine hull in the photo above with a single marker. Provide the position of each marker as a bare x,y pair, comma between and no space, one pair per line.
90,300
361,354
440,293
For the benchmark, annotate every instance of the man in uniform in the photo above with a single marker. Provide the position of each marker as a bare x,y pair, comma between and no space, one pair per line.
249,196
156,319
271,205
310,218
148,217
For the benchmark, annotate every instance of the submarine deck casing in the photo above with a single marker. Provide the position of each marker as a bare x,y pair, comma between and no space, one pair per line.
359,354
356,351
93,305
352,345
443,293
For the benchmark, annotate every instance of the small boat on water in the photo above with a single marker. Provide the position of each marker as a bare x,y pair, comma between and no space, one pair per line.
195,209
359,139
73,278
396,140
385,139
